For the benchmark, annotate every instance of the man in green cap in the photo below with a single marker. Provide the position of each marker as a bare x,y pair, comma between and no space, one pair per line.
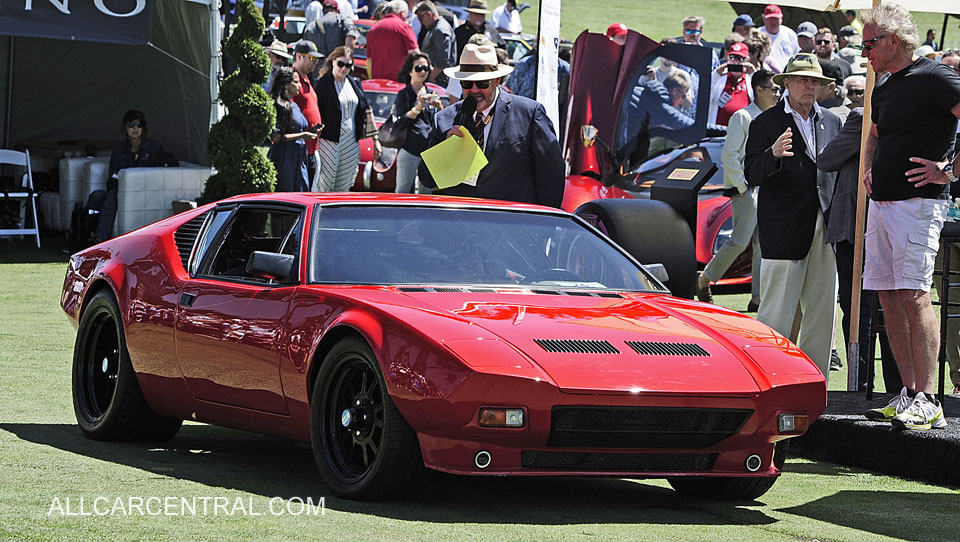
798,269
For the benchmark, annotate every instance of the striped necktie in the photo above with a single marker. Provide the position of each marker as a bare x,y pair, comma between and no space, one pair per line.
478,129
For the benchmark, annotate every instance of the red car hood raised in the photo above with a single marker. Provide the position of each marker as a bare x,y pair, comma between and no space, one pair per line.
523,319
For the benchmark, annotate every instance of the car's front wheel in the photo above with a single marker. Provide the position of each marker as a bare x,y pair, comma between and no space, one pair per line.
107,398
363,447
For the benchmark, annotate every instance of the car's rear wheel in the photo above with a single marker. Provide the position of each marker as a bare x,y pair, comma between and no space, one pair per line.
363,447
731,489
652,232
107,398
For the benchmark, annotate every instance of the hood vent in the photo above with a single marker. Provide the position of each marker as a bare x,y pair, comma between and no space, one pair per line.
651,348
186,236
562,346
613,295
440,289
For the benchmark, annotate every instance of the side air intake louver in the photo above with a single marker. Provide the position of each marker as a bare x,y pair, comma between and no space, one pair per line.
650,348
561,346
186,237
446,289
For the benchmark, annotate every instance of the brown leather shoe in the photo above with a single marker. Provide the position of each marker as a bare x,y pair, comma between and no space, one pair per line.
704,294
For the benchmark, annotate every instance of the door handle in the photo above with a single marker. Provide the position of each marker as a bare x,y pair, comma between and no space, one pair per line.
186,300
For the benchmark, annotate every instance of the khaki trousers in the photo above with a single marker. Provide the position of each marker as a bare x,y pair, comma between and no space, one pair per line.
811,285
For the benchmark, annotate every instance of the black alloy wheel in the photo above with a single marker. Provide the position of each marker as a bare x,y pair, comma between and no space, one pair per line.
363,447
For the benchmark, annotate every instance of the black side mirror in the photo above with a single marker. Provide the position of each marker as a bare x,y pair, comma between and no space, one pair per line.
270,265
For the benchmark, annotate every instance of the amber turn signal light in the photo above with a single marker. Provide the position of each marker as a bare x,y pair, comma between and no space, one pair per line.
792,423
501,417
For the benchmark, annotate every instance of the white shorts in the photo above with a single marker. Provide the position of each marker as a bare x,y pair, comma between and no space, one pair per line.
902,241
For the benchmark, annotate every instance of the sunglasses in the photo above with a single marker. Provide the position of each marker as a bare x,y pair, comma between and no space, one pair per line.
343,64
467,85
135,124
824,42
689,31
775,90
422,68
872,42
856,91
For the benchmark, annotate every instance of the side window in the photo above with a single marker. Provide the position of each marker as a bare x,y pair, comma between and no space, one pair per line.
250,229
213,228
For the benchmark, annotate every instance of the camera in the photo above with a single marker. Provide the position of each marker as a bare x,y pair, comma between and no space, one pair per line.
735,68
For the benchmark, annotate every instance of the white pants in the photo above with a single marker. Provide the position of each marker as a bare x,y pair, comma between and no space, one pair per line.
744,210
811,284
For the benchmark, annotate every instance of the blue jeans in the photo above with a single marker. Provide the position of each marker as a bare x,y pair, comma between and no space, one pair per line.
407,164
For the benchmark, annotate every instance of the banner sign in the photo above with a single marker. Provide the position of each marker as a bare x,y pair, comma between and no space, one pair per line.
111,21
548,52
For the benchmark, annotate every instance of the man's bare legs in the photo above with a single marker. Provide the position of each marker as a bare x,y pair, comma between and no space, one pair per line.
914,336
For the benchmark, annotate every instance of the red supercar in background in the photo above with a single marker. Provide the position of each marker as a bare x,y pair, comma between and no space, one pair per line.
397,333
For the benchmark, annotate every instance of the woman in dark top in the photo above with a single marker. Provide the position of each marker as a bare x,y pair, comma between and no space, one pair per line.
134,151
289,150
416,107
345,113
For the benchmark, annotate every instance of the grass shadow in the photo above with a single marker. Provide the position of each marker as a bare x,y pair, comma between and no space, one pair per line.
53,249
270,467
919,516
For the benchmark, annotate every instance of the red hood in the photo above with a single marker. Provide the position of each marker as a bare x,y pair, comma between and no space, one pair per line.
522,319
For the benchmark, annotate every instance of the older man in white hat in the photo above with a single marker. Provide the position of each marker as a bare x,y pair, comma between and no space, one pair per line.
798,268
517,138
279,57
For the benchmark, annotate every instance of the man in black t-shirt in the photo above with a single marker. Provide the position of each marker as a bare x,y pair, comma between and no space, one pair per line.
915,112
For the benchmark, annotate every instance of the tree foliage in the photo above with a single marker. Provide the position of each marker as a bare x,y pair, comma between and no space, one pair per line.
232,142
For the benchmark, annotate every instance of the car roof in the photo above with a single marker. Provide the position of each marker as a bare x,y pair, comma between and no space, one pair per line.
386,198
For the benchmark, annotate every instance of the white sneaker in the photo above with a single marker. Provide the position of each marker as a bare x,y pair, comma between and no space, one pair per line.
921,415
898,404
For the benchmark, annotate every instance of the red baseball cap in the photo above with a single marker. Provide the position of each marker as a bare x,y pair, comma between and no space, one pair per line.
616,29
773,10
739,49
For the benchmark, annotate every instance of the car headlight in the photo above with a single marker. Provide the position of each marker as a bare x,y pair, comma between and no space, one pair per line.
723,235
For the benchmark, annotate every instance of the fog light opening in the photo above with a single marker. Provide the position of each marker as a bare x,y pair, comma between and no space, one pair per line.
482,459
753,463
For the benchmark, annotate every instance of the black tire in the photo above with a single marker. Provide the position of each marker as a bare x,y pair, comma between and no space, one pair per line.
652,232
107,399
731,489
377,456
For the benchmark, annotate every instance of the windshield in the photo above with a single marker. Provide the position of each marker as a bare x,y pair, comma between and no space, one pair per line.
425,245
380,102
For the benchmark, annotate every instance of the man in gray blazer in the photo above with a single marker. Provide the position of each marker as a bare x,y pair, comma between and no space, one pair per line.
798,267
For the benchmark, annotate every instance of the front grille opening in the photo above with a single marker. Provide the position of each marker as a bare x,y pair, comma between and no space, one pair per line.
643,427
563,346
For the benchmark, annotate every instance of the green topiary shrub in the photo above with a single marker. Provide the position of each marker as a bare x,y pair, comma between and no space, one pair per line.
232,142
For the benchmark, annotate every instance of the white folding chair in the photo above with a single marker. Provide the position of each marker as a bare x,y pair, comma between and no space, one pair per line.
24,193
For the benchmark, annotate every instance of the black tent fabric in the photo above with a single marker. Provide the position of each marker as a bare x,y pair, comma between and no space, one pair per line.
123,21
65,93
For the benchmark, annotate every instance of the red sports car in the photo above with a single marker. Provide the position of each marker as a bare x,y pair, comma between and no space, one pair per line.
397,333
619,100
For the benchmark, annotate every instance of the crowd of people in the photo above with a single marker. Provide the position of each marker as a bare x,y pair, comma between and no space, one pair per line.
791,101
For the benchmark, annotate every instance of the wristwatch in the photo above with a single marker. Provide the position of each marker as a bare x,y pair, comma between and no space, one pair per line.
948,171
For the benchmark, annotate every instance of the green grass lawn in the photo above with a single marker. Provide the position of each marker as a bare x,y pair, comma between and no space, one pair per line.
43,457
658,19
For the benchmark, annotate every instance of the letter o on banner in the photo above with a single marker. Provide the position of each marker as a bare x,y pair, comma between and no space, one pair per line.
141,4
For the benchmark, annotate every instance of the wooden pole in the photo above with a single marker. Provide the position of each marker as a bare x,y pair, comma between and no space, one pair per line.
853,348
